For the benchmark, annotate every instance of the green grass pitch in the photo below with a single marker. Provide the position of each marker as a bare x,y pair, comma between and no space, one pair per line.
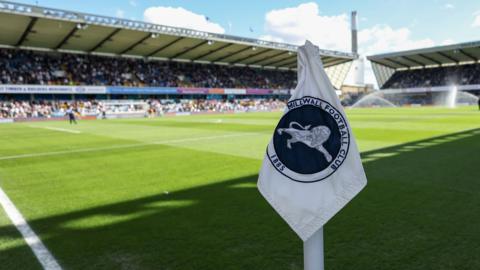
180,193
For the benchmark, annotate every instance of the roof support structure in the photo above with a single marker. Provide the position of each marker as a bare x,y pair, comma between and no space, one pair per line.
136,43
413,61
449,57
67,37
382,64
103,35
288,64
232,54
278,61
105,39
291,65
253,55
328,60
27,30
165,46
335,62
430,59
189,49
270,63
266,58
382,72
213,51
396,62
468,55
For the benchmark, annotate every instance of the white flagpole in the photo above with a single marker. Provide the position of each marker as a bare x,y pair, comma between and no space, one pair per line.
313,252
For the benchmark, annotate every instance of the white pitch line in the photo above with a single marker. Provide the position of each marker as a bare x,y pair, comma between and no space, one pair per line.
58,129
54,153
114,147
44,256
193,139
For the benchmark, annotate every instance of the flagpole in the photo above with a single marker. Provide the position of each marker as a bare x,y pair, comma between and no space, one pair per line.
313,252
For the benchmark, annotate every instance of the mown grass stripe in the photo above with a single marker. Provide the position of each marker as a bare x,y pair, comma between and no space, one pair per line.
58,129
43,255
115,147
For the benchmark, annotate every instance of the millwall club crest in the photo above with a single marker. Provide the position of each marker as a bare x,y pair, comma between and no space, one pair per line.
310,142
313,138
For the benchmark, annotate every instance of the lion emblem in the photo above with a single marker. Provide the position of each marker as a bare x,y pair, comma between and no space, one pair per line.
313,138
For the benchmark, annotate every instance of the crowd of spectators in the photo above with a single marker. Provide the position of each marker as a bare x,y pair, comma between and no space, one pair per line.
152,107
429,77
194,106
47,68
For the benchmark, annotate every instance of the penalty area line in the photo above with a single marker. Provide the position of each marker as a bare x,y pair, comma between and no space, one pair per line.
40,251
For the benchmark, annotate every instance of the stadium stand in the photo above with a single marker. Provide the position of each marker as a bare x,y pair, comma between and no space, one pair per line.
52,59
57,30
441,66
440,76
31,67
427,76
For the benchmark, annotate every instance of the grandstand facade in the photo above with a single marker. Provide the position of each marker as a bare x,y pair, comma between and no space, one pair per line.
50,34
52,60
433,69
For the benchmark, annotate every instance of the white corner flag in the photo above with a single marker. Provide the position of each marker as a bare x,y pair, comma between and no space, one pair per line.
312,167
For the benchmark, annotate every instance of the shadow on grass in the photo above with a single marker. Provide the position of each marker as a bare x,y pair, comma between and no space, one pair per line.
420,210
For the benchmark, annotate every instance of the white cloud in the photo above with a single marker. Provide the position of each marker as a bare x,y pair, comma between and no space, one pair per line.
120,13
132,3
447,42
296,24
476,20
448,6
383,38
181,17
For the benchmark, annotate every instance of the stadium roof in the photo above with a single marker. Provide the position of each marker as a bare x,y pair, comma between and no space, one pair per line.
385,65
28,26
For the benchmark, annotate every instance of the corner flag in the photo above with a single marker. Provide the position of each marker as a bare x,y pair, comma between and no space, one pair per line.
312,167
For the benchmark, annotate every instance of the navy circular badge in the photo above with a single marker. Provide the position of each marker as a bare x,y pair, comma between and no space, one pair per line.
310,142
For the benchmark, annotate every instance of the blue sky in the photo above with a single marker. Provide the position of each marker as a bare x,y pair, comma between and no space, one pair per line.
385,25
